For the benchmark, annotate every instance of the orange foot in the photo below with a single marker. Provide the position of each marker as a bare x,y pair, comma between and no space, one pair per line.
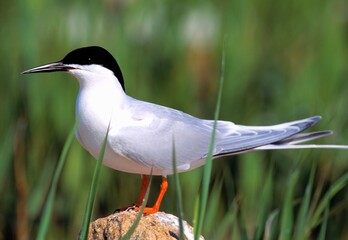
156,206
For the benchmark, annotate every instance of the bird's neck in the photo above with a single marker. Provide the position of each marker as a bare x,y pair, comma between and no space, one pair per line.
95,107
101,98
98,98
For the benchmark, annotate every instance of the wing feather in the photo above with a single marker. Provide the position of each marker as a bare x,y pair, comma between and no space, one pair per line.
152,133
248,137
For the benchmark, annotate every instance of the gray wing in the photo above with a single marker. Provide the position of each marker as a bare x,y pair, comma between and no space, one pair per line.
246,138
153,132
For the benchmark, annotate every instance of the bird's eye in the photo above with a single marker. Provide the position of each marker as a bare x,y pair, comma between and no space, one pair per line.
89,59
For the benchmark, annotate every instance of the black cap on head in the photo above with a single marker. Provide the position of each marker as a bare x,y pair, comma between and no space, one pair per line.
94,55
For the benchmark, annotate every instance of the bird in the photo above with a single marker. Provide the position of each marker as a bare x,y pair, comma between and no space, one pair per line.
142,136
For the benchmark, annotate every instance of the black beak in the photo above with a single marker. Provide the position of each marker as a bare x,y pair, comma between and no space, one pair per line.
51,67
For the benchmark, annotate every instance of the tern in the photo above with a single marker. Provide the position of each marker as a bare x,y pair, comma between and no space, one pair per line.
143,135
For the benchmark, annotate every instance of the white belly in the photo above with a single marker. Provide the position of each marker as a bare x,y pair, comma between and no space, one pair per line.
93,118
92,140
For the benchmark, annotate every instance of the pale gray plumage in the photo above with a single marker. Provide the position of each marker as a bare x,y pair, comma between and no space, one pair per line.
142,135
192,137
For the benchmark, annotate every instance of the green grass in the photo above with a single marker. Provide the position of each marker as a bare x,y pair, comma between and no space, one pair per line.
178,195
49,203
93,189
287,213
303,214
209,159
285,60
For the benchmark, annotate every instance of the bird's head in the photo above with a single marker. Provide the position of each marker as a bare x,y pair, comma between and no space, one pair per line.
84,63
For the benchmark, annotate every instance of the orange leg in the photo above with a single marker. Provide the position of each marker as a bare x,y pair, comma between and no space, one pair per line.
156,206
144,185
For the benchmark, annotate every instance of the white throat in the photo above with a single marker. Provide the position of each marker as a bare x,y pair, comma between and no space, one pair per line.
100,95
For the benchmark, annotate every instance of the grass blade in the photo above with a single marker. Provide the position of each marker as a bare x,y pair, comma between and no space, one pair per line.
228,223
93,189
265,203
5,155
46,216
195,212
286,225
212,209
304,210
323,228
271,226
336,187
178,195
242,227
208,162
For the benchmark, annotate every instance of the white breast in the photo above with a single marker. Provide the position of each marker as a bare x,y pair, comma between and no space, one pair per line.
93,113
95,108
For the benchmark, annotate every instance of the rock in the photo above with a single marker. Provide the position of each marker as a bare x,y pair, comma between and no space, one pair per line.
155,226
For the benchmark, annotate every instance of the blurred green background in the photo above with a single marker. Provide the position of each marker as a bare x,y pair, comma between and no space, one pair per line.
285,60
